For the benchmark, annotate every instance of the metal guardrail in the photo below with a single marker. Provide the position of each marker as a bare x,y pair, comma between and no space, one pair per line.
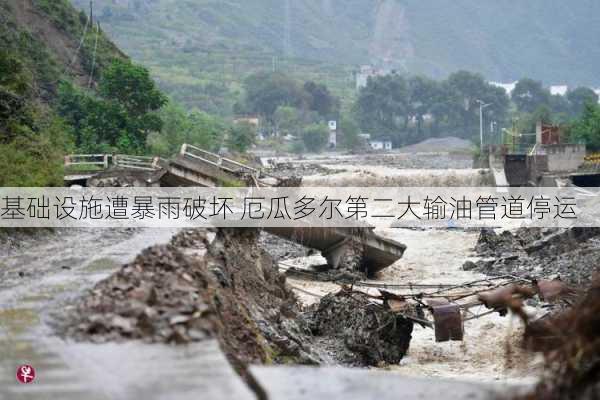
187,150
141,163
94,162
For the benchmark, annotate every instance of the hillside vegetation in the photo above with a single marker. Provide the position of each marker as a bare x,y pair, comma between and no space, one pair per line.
38,52
200,50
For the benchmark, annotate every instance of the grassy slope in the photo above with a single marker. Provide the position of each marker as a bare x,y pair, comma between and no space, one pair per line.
200,49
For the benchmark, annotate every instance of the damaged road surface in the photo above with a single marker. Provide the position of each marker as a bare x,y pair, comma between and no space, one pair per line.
235,293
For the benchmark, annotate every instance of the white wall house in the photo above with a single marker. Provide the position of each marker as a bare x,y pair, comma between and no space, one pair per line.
381,144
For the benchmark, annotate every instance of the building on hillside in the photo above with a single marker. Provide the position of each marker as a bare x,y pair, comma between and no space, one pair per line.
255,121
381,145
365,72
560,90
508,87
547,134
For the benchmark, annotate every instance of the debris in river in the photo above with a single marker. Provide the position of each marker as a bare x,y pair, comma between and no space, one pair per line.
570,254
371,332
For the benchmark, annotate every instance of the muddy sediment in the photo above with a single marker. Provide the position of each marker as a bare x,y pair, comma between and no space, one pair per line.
567,336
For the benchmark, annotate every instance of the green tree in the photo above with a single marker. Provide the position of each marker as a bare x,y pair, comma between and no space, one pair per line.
122,117
382,105
560,107
36,156
348,128
466,90
287,120
315,137
579,98
529,95
179,126
241,136
15,85
321,100
587,127
131,86
265,92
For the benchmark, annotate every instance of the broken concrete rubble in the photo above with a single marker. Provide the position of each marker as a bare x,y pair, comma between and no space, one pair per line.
568,253
352,250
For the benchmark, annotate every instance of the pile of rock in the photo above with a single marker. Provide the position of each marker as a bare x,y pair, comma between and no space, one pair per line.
572,254
230,288
162,296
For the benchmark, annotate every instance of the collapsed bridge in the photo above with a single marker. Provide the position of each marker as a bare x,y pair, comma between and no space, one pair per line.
356,249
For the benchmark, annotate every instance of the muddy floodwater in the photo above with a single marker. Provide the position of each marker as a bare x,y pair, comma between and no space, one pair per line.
490,351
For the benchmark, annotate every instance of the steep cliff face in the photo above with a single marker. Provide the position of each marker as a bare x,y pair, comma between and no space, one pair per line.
391,42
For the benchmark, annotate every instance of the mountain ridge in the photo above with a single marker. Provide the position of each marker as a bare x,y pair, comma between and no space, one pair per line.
196,42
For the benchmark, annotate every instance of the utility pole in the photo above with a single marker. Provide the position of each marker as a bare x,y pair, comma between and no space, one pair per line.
482,105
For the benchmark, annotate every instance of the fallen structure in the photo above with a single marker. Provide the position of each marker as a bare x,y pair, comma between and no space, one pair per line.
346,249
191,167
196,167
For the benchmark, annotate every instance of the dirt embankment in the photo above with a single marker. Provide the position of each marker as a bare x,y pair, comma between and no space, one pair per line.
231,289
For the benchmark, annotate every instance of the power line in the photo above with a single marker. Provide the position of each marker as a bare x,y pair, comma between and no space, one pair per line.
94,56
85,29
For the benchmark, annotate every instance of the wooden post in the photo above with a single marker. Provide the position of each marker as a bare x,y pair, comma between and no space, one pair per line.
183,149
106,161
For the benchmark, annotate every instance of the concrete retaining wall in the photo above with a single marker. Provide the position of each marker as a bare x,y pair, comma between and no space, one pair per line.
564,157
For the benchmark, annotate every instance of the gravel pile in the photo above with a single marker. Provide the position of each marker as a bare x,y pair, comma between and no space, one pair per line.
175,295
446,144
571,254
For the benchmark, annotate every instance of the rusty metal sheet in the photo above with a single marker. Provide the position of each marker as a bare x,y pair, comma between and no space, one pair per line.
448,323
